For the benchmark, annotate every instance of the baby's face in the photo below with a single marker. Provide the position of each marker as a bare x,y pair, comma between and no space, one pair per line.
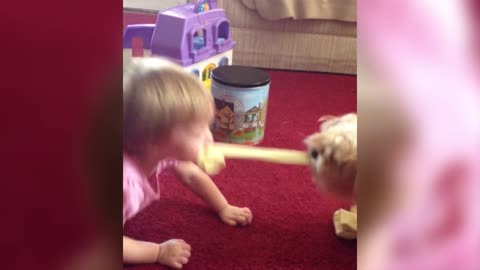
188,138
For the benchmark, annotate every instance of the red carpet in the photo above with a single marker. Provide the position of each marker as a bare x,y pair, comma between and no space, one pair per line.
292,222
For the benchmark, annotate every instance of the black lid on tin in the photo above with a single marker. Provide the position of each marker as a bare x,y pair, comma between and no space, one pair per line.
240,76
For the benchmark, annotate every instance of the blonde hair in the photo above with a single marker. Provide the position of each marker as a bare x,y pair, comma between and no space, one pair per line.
157,94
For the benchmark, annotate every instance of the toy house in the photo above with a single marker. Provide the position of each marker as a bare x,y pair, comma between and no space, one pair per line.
196,36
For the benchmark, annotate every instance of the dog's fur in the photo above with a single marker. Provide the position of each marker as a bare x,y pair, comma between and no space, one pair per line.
333,155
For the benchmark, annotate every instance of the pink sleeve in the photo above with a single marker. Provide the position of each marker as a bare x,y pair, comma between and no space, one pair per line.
125,202
135,198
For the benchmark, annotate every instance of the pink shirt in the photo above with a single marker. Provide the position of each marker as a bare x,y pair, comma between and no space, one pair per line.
138,190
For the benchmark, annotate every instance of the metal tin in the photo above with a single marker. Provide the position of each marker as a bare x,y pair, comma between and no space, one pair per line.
241,99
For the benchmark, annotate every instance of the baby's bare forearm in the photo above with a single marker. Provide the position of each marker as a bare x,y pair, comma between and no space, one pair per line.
205,188
202,185
136,252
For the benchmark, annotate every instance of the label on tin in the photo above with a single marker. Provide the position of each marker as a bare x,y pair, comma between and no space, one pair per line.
240,113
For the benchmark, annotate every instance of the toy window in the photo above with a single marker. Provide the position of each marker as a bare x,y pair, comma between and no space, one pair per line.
223,61
199,39
223,31
196,73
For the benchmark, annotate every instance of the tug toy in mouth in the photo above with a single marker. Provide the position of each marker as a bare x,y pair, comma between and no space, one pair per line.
211,159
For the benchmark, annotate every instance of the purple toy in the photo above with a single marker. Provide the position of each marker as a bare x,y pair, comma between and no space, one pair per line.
196,36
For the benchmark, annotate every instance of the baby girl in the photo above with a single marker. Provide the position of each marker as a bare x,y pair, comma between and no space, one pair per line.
166,118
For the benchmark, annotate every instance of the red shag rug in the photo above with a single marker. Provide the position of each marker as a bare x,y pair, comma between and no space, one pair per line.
292,221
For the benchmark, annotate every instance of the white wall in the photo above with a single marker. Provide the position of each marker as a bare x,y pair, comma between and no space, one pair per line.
152,4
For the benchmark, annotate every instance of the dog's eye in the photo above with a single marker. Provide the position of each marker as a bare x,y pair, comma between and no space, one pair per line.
314,154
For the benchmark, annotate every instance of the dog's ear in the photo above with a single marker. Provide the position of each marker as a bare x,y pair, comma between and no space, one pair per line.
328,121
326,118
308,140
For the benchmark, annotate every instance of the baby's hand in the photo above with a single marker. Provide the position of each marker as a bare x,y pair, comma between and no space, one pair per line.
174,253
233,215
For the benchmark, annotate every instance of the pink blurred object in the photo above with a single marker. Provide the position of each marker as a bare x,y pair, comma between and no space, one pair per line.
425,50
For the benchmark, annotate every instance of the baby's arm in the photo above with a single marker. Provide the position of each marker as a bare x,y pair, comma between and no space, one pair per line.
139,251
202,185
173,253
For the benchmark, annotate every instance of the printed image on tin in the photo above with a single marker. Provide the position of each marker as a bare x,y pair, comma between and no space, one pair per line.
240,116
